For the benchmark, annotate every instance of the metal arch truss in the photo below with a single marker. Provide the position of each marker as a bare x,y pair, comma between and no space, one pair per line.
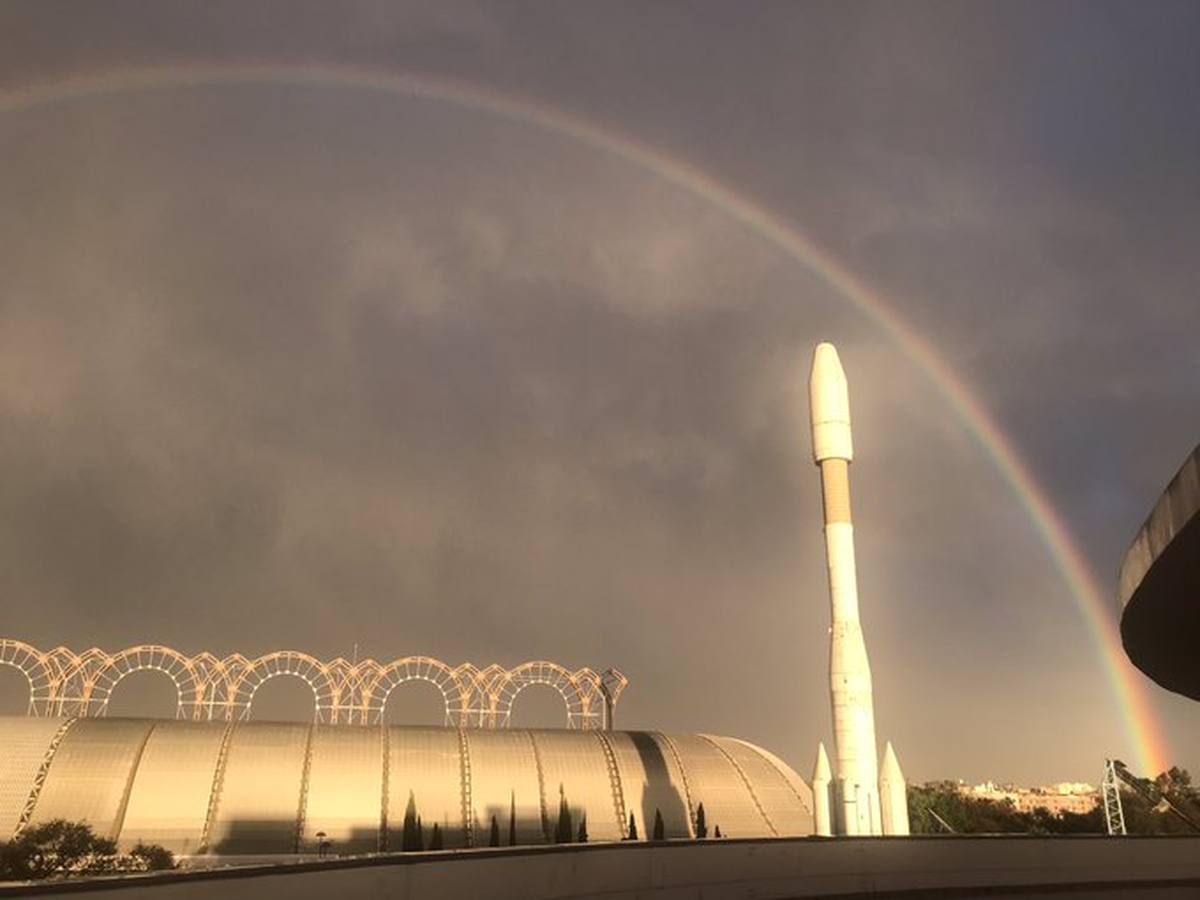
208,688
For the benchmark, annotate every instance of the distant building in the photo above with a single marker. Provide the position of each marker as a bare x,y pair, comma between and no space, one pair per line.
1067,796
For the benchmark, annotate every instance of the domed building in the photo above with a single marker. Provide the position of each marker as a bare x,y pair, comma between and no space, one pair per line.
271,788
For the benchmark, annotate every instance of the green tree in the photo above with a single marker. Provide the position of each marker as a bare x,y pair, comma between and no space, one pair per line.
59,847
565,831
701,825
411,838
1175,786
435,839
972,815
1046,822
659,829
582,837
152,857
964,814
633,834
512,819
494,837
717,832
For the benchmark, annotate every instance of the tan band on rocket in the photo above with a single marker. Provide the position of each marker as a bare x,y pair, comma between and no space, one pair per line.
835,489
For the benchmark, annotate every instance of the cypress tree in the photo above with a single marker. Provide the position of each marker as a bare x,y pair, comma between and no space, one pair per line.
410,839
701,825
582,837
435,839
494,837
565,831
659,829
420,834
512,820
717,832
633,835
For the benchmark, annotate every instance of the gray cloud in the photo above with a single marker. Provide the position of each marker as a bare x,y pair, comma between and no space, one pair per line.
309,367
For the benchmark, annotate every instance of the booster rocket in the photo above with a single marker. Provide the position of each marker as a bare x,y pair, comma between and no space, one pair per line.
855,804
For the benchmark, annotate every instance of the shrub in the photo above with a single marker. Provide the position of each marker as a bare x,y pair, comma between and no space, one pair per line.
59,848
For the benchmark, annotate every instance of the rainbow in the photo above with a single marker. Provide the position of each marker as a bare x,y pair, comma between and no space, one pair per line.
1141,726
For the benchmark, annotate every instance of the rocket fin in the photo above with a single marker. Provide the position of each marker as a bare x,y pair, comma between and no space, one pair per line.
893,794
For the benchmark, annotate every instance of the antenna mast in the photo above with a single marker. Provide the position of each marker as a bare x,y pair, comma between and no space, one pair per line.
1110,791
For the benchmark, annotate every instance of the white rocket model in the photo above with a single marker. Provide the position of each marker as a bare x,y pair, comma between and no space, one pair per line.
893,794
822,781
854,801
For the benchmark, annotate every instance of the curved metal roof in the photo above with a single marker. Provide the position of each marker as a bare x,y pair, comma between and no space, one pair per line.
266,788
1159,586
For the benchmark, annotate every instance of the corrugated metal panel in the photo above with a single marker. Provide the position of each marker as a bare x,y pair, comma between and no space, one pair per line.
503,769
22,749
259,806
174,781
576,761
259,803
91,771
797,784
345,788
650,780
425,761
777,798
715,782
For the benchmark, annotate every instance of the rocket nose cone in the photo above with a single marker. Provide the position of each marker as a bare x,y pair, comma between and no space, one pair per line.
826,361
821,769
890,771
829,406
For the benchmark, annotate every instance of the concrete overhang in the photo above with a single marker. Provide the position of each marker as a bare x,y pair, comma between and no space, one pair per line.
1159,587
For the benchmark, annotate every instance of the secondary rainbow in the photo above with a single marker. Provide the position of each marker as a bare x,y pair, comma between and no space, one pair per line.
1141,726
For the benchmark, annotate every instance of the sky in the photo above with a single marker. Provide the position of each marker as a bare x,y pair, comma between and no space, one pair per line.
291,363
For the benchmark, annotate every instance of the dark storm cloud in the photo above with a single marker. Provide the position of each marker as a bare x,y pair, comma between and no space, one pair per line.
309,367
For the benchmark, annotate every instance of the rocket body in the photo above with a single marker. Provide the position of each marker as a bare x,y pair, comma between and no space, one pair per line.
856,807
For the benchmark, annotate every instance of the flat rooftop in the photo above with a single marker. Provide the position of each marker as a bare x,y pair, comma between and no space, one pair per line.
908,868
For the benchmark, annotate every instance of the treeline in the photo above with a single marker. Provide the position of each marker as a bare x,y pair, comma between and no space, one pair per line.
59,849
1175,787
414,837
965,814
